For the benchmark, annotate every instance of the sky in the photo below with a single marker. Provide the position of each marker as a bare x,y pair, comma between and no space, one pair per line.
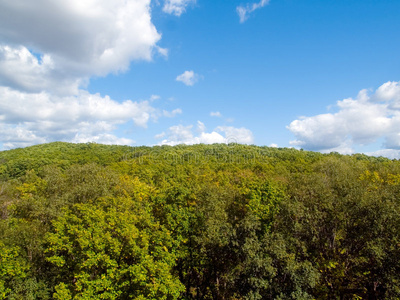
320,75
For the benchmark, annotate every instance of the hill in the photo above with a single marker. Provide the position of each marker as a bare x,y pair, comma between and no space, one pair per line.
91,221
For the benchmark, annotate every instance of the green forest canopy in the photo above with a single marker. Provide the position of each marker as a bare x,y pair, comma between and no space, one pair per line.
90,221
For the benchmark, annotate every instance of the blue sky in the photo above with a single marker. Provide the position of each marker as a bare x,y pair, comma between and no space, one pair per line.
317,75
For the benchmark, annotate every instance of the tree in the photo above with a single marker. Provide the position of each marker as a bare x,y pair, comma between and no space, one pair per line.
12,268
347,226
112,249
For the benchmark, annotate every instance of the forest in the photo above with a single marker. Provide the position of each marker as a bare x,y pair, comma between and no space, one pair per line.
221,221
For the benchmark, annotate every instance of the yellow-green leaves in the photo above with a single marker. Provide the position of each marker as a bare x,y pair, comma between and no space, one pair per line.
112,249
11,267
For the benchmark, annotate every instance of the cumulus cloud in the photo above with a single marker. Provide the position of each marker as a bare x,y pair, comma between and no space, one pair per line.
245,11
389,91
27,119
49,50
358,122
236,135
75,40
102,138
181,134
176,7
22,70
189,78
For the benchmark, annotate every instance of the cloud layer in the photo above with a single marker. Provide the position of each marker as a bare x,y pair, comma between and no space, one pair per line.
48,52
358,122
181,134
33,118
27,119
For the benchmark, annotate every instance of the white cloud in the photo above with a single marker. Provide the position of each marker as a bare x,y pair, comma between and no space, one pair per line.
245,11
75,40
361,121
27,119
154,98
389,153
21,107
162,51
18,136
201,127
389,91
171,114
237,135
215,114
49,50
189,78
160,135
176,7
20,69
103,138
180,134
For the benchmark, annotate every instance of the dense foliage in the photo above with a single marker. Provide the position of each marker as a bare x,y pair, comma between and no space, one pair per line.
89,221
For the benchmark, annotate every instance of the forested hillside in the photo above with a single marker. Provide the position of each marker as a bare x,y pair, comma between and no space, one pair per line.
89,221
